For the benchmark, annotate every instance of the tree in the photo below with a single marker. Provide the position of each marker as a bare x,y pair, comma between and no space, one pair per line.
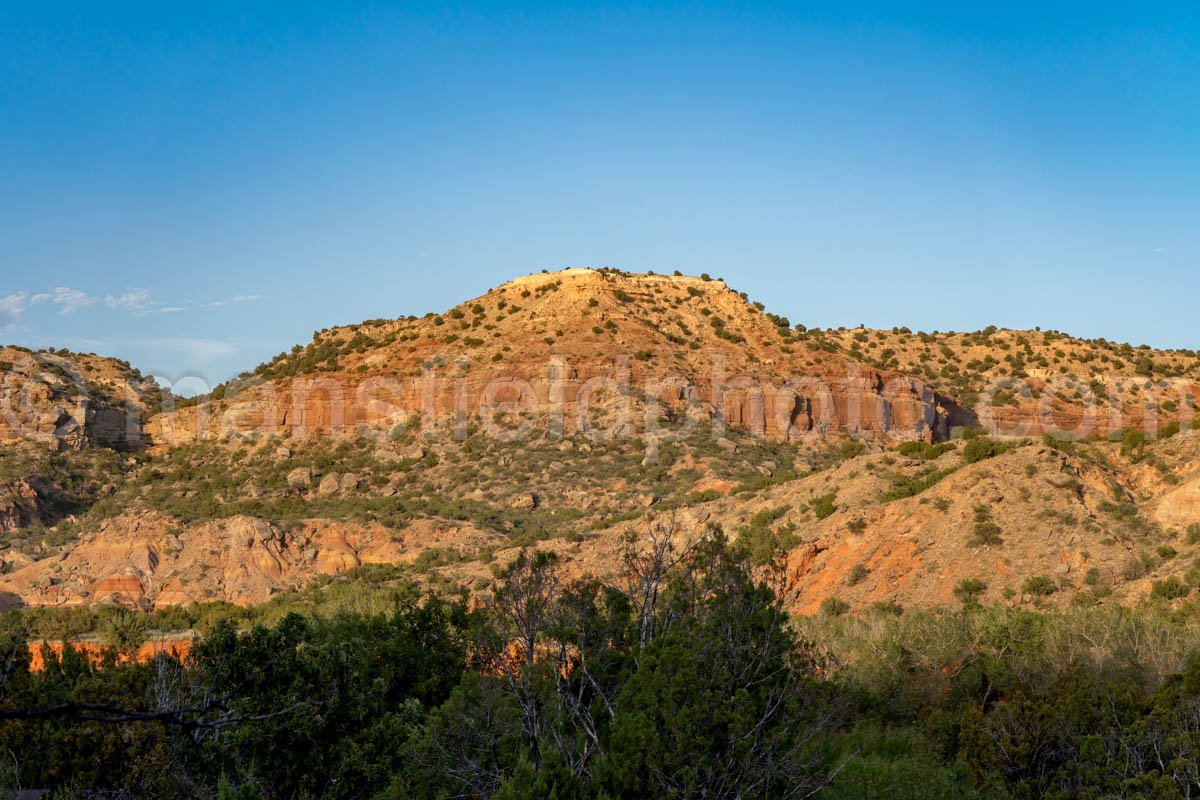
522,610
722,703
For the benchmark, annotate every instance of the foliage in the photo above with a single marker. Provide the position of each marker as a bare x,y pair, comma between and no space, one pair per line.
824,506
683,678
979,448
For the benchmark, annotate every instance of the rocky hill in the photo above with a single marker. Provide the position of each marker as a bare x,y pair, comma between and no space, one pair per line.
550,340
69,423
1032,382
71,400
574,409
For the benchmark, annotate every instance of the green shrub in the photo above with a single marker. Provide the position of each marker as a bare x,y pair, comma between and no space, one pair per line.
759,539
979,448
1133,443
986,532
969,590
852,448
924,450
903,487
823,506
1040,586
1169,589
834,607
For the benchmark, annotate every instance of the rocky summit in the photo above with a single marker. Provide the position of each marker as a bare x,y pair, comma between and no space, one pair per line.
580,408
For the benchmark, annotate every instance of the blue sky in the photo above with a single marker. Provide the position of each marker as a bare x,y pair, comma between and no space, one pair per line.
198,189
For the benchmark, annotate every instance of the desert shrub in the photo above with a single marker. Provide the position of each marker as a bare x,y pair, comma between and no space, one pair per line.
759,540
968,590
1039,585
834,607
823,506
984,531
979,448
852,448
1133,443
1169,589
903,486
437,557
924,450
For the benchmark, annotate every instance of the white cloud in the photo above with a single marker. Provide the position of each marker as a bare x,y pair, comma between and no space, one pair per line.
239,298
69,299
137,300
134,300
11,308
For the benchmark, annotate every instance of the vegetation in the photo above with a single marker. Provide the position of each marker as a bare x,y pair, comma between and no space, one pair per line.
551,689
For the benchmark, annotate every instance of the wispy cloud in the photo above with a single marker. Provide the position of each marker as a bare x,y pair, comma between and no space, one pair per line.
238,298
70,299
12,306
136,300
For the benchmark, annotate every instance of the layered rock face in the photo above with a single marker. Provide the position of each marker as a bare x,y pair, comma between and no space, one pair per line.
71,401
1030,383
148,560
644,351
874,404
20,505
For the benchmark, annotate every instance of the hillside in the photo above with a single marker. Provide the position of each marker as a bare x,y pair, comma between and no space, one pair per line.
69,424
71,400
552,339
1036,380
571,410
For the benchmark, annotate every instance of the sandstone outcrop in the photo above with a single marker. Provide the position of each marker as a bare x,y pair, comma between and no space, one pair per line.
560,345
68,401
141,560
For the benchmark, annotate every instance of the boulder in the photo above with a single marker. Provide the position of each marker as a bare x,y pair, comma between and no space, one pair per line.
525,500
300,478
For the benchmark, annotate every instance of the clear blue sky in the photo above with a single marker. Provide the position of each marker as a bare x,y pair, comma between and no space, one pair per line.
198,189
